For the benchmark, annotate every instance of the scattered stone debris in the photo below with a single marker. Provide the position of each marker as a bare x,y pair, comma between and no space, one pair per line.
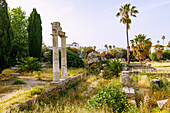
125,80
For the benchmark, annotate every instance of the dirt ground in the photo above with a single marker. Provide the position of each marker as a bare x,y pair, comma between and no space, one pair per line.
7,87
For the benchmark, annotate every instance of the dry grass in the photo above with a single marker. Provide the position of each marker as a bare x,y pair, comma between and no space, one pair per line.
73,100
16,97
144,82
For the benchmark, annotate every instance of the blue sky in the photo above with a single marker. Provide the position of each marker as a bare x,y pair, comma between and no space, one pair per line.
94,22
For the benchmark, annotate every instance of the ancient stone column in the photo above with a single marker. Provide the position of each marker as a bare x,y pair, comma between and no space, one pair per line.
63,58
56,75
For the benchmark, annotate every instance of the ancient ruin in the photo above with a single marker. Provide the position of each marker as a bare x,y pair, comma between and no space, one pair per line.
57,31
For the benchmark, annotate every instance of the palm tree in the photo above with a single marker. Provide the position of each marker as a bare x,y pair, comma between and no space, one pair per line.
110,47
163,38
141,46
94,47
106,47
124,12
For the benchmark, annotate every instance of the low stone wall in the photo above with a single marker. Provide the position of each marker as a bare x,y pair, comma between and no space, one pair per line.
149,74
65,84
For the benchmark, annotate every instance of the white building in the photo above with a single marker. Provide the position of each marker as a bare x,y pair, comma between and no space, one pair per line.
154,46
73,45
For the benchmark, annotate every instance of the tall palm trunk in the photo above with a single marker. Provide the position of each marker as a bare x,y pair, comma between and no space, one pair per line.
128,47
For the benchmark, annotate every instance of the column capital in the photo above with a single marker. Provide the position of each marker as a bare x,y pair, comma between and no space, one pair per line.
64,37
54,34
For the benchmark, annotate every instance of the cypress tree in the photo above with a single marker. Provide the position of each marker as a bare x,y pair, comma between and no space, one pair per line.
35,34
6,35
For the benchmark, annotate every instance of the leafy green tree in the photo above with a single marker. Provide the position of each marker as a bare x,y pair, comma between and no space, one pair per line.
153,56
158,41
168,44
35,34
6,35
124,12
20,42
141,46
106,47
166,54
163,38
159,51
110,47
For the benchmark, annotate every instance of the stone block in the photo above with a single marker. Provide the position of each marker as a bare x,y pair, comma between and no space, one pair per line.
129,91
156,82
125,80
15,74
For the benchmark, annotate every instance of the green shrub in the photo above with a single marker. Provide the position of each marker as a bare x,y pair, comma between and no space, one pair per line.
29,64
73,60
18,82
35,91
166,55
164,85
153,56
114,67
111,98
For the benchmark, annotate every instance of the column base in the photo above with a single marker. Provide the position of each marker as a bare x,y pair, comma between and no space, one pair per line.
55,82
63,79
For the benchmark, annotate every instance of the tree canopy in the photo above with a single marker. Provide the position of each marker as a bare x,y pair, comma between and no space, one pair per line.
35,34
6,35
19,23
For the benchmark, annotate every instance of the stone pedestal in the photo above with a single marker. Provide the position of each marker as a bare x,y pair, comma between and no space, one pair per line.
63,58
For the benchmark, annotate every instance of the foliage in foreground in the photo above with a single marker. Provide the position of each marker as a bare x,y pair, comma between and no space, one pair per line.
6,35
110,97
114,67
29,64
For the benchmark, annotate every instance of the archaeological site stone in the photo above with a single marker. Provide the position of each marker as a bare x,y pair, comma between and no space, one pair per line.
125,80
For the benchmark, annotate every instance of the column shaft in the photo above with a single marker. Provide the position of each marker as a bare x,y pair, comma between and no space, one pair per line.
56,75
63,58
